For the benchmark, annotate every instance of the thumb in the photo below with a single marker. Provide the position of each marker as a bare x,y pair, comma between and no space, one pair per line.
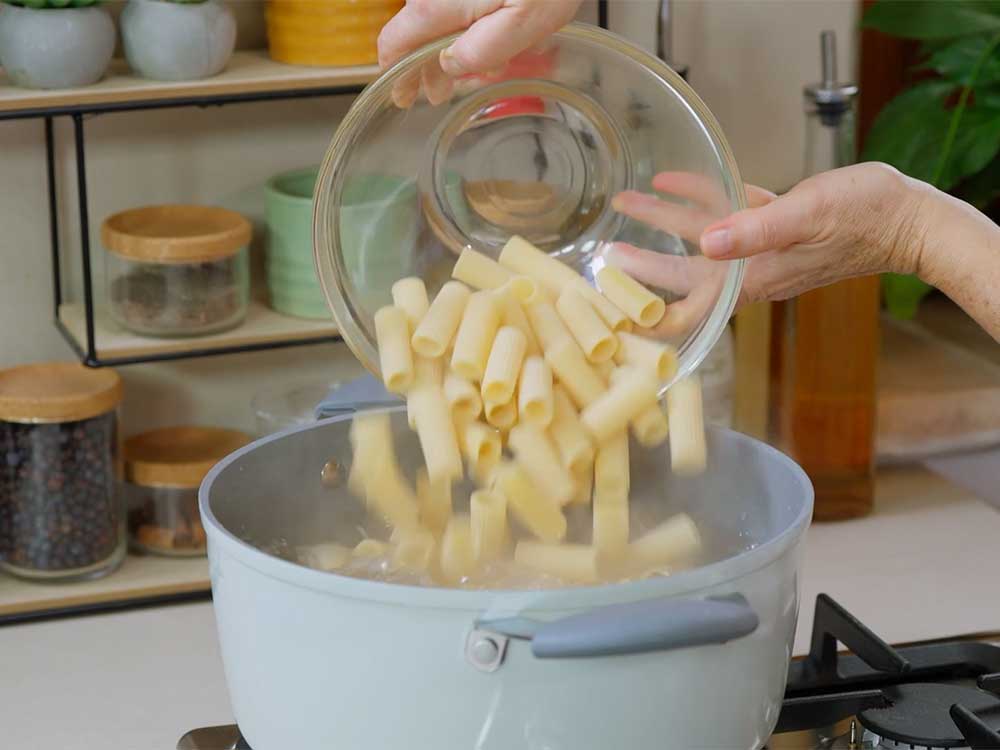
782,222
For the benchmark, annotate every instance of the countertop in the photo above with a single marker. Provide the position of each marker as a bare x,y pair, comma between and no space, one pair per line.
923,566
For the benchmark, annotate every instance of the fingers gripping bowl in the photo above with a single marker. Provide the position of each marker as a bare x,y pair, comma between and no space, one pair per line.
539,149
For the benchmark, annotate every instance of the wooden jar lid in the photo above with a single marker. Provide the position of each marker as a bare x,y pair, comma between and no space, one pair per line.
176,234
178,457
57,392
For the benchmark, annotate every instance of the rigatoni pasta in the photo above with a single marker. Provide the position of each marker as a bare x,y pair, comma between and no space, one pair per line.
654,356
512,314
631,297
613,318
482,448
436,431
539,457
488,518
410,296
630,394
458,560
503,366
522,257
479,271
436,331
569,434
474,339
570,562
546,323
534,392
570,366
529,506
611,466
594,337
434,499
688,452
463,398
392,331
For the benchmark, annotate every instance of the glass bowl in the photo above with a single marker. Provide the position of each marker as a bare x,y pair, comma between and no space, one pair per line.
422,167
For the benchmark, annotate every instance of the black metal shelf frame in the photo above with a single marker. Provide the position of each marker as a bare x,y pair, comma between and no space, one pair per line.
77,113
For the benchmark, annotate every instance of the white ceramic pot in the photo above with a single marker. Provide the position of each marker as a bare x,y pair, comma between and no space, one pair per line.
169,41
55,48
318,660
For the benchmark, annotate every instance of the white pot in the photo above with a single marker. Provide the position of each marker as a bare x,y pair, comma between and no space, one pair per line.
55,48
317,660
169,41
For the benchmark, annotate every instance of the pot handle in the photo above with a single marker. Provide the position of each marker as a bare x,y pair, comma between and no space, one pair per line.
639,627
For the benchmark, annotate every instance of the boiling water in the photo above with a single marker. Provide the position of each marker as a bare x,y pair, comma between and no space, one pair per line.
339,517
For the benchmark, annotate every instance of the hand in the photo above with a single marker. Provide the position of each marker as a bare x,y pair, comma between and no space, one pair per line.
855,221
495,30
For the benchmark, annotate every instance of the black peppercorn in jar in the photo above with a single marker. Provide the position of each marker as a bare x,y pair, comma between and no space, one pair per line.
61,512
177,270
163,471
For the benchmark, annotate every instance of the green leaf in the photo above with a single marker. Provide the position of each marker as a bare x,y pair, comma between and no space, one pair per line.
977,142
982,188
903,294
910,129
957,60
933,19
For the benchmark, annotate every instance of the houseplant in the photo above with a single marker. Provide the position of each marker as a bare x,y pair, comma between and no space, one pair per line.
54,44
178,40
945,127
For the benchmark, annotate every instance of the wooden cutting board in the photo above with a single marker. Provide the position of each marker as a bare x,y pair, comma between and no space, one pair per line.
939,385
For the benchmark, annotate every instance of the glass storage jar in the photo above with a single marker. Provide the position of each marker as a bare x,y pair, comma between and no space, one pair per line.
177,270
163,471
61,514
423,167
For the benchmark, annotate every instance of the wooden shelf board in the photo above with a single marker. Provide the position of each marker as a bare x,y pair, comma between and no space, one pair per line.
262,325
139,577
247,72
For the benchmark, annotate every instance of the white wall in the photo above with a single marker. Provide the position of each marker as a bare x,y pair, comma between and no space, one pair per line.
749,60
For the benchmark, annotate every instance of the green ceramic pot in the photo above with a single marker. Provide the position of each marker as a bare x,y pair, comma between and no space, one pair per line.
291,272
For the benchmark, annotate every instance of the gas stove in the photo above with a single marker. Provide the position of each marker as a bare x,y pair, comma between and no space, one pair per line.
927,696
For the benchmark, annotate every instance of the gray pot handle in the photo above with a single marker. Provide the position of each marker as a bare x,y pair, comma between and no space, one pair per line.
639,627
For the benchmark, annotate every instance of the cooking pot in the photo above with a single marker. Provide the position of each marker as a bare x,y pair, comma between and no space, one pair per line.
314,659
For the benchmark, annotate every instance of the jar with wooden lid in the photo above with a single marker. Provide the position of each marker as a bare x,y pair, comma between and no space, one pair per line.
61,514
163,471
177,270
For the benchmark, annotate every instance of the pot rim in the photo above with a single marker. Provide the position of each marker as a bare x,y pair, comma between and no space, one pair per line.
686,582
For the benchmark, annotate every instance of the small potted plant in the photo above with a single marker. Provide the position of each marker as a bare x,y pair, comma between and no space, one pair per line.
55,44
178,40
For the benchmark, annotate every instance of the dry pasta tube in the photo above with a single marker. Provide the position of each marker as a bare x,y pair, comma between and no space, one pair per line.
436,431
371,443
688,452
463,398
521,257
327,556
584,481
613,318
392,330
605,369
392,498
570,562
435,502
488,514
611,466
610,535
569,435
537,454
652,356
631,297
410,296
632,392
370,548
512,314
503,366
536,513
412,548
594,337
546,323
474,339
458,561
650,428
673,543
534,392
502,415
571,368
479,271
427,372
435,332
482,448
524,289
